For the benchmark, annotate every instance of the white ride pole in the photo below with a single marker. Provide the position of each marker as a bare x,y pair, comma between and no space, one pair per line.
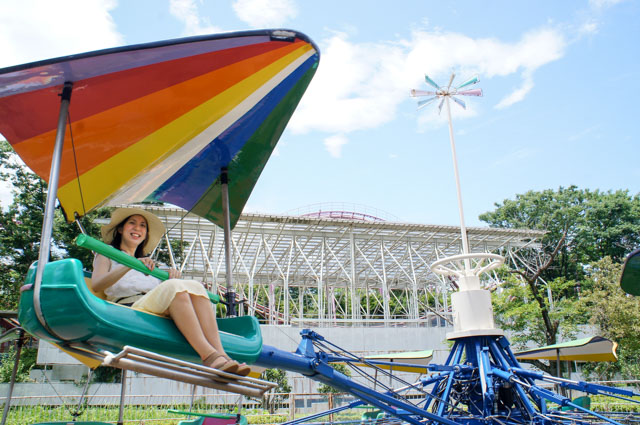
471,306
463,228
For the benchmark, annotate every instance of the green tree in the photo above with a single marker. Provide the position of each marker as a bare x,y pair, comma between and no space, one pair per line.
582,226
65,234
326,389
617,316
515,312
21,227
610,228
271,399
177,248
107,374
27,362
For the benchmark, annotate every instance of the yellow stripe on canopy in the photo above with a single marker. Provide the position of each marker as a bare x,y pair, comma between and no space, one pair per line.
116,171
159,122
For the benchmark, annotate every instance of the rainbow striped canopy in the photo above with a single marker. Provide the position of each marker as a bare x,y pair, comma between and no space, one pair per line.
158,121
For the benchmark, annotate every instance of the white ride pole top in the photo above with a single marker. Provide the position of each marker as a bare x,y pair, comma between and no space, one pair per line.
472,309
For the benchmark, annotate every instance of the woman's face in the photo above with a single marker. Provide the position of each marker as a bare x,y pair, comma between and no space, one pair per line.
134,230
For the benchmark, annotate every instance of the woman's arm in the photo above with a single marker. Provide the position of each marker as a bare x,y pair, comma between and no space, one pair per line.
102,278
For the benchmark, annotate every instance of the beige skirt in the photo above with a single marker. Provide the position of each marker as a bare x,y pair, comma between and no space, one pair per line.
159,298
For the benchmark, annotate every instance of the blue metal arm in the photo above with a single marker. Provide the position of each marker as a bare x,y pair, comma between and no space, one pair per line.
342,359
309,363
563,401
326,412
578,385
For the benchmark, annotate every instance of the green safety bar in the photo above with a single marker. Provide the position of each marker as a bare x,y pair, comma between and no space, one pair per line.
115,254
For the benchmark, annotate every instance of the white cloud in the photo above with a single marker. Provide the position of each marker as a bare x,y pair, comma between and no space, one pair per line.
591,17
514,157
32,30
589,131
361,85
599,4
334,145
186,11
357,86
265,13
590,26
517,95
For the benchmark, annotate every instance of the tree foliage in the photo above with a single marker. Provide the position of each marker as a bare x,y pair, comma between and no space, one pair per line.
582,227
517,311
595,224
21,227
107,374
617,317
26,363
271,399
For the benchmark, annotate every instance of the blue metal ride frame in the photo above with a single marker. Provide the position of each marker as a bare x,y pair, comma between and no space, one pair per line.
480,383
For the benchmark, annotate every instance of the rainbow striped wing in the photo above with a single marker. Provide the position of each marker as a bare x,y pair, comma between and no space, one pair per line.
158,121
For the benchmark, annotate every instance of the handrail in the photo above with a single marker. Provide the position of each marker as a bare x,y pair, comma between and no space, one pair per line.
125,259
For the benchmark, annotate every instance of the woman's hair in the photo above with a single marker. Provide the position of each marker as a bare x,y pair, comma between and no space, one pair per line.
117,238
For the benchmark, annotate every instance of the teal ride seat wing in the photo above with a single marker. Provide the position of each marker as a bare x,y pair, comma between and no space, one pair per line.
73,313
211,418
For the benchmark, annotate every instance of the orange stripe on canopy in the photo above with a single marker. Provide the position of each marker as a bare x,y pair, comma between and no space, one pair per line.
131,84
158,121
136,119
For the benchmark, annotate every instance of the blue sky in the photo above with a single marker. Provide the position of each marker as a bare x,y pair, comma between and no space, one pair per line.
560,81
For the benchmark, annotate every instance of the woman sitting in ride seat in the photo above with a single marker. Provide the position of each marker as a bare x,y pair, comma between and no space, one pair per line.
137,232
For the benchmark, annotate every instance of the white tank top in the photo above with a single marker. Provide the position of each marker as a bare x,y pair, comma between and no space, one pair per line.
132,283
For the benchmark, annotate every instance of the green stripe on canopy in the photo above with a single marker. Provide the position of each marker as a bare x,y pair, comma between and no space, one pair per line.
593,349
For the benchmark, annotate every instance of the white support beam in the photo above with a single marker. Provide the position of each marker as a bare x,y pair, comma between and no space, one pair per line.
336,261
385,287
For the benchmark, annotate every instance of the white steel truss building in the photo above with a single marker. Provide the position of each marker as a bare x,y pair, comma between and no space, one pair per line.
321,271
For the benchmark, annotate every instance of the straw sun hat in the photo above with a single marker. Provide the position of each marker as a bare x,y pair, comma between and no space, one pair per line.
155,228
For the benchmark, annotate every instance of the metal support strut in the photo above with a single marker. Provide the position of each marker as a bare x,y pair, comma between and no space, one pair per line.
230,294
19,344
52,193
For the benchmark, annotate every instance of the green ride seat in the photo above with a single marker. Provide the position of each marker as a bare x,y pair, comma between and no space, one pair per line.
211,418
584,401
75,315
370,416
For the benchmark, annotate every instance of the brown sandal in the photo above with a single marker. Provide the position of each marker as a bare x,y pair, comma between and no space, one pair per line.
221,362
242,368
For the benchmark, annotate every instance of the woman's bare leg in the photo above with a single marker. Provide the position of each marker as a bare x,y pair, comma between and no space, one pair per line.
184,315
207,321
207,317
